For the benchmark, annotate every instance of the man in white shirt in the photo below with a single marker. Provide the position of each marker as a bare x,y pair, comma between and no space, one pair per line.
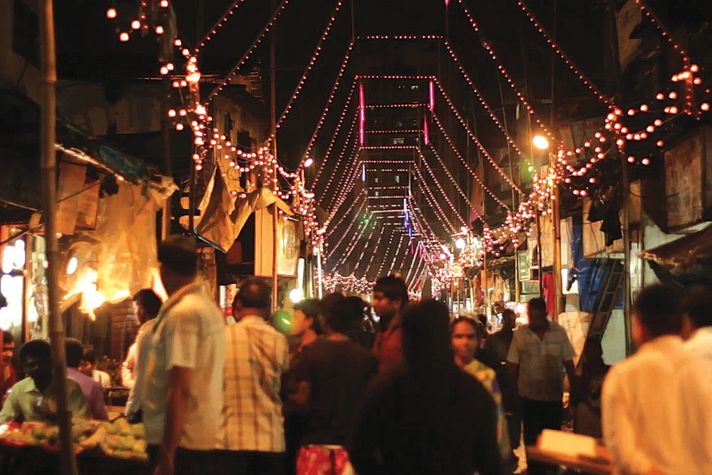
183,392
256,355
697,324
644,426
133,370
538,355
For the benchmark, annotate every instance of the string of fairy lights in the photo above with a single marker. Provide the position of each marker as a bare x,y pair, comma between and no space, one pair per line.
635,131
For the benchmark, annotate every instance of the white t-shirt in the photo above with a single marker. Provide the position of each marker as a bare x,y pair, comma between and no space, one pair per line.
541,361
189,333
647,404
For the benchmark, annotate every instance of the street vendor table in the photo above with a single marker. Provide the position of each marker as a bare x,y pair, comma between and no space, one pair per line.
34,460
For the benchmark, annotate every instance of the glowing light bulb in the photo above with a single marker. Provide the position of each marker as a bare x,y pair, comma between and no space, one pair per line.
123,37
111,13
540,142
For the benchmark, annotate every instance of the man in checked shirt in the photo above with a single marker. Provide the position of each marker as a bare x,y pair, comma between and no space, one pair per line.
256,355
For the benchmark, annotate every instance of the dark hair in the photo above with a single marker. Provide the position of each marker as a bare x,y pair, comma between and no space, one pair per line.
336,313
426,335
89,356
312,309
393,288
508,313
537,303
476,326
7,338
178,254
697,304
36,348
659,309
254,293
75,352
149,301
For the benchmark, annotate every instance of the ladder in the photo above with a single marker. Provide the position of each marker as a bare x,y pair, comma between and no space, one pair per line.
608,298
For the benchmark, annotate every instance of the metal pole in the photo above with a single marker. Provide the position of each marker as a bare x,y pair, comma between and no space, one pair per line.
273,134
27,288
167,168
556,220
68,463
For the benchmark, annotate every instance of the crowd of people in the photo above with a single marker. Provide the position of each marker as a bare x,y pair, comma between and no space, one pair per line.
410,391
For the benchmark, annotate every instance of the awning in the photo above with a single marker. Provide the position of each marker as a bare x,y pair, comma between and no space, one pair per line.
222,216
687,259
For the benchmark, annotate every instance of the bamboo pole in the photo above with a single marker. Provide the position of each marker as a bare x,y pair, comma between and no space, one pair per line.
68,463
166,154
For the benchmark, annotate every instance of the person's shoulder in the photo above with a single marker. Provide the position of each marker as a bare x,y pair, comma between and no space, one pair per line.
22,385
73,386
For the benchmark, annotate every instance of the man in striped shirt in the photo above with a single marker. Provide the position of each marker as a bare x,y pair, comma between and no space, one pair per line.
256,355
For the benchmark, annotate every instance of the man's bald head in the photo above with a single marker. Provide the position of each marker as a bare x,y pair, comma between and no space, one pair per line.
253,294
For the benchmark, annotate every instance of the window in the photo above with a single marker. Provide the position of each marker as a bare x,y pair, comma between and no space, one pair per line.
397,178
398,141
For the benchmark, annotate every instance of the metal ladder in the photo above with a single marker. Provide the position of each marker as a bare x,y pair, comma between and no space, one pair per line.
609,296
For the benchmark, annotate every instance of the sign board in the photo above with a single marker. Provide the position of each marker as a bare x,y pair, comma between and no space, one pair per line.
684,180
287,244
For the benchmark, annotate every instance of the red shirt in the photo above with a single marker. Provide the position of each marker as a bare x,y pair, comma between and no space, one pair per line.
389,346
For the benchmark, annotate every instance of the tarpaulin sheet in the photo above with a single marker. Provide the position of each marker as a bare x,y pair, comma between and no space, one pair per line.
223,216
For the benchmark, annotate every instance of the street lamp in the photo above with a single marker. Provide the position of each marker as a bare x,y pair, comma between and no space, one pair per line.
540,142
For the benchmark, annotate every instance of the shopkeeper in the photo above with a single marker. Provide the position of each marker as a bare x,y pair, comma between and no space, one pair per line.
34,398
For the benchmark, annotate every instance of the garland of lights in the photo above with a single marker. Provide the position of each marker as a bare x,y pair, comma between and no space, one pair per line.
346,233
564,57
309,67
218,25
505,74
234,70
365,247
350,180
475,139
465,164
349,284
480,98
373,254
447,172
329,101
352,245
388,248
337,130
334,171
343,216
148,19
398,253
432,201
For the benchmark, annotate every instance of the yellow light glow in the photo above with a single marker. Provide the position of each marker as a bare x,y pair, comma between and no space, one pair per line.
540,142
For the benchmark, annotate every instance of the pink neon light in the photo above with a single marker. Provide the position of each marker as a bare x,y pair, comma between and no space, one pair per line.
431,89
426,135
362,115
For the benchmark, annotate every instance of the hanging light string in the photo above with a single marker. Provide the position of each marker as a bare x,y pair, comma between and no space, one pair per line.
351,134
475,139
337,130
410,268
309,67
401,37
336,225
430,198
465,164
349,182
480,98
373,254
352,245
424,227
393,131
418,273
600,95
349,283
503,71
394,76
662,29
236,68
358,232
403,105
440,188
360,258
397,254
445,169
212,31
346,232
330,100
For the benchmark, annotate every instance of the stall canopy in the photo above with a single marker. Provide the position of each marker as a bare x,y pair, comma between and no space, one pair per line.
223,216
688,258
